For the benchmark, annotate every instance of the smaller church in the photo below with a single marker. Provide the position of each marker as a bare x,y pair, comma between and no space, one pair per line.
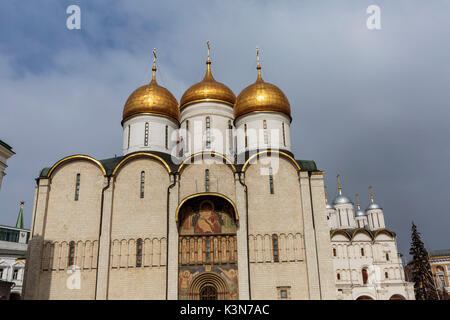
366,262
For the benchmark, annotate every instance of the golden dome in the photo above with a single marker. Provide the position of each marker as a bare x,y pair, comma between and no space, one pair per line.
263,97
208,90
152,99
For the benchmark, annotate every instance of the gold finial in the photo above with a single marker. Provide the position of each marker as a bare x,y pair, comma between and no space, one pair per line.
258,65
371,193
208,74
154,65
207,44
357,200
339,183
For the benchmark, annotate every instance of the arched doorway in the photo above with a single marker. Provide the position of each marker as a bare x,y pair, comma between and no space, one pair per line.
397,297
364,298
208,292
207,248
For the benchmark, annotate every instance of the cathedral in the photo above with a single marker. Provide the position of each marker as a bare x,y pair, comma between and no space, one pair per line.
207,202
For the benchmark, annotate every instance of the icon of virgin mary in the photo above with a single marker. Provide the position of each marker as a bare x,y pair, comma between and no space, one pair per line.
208,221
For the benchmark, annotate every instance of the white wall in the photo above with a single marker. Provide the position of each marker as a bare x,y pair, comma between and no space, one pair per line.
135,128
256,133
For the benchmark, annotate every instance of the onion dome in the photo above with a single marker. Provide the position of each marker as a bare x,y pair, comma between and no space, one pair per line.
341,199
152,99
208,90
372,205
359,212
261,96
327,205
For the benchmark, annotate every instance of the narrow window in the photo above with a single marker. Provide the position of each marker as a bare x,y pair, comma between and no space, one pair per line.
208,250
338,276
266,136
16,274
142,183
129,134
208,132
245,136
167,137
230,135
386,275
362,252
334,252
283,294
284,135
71,259
271,180
207,180
187,135
139,253
387,256
275,248
2,270
146,135
77,187
364,276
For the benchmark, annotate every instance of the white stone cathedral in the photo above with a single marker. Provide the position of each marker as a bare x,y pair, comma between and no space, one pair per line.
207,202
366,261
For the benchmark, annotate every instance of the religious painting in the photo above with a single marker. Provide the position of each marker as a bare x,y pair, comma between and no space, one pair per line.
203,216
227,286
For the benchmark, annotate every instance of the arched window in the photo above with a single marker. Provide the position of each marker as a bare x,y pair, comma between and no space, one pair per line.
266,136
362,252
146,134
334,252
386,275
77,187
245,136
338,276
387,256
207,180
71,258
271,180
365,276
187,135
139,253
230,135
129,134
275,248
167,137
208,292
284,135
142,183
208,132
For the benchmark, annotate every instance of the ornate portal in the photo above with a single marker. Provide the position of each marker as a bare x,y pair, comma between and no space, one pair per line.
207,257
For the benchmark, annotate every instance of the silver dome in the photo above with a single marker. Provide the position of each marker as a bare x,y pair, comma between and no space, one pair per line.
329,206
341,199
373,206
360,213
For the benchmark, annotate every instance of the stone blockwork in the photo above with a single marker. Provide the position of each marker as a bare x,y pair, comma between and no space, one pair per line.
114,212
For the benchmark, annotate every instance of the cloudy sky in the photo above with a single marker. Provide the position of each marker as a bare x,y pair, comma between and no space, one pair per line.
372,105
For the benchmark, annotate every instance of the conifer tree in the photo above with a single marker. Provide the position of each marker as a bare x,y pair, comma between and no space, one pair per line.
424,285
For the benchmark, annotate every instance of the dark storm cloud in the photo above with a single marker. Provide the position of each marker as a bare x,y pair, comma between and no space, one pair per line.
371,105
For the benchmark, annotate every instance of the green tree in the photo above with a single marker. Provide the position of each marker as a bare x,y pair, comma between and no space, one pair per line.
424,285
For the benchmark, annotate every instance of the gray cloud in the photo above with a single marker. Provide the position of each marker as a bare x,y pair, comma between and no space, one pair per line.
371,105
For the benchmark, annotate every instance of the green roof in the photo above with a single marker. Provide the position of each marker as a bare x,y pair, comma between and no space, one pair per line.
7,146
440,253
111,163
